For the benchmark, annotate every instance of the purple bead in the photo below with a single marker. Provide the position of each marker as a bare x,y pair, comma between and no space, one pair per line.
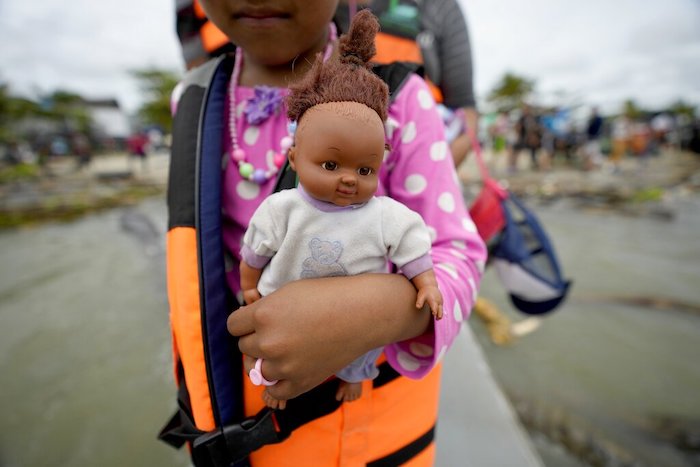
259,176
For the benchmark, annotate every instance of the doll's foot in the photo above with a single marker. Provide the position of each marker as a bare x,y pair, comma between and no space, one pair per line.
348,392
273,403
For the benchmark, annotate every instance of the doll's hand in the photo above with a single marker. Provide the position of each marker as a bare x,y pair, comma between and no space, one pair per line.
251,296
431,295
308,330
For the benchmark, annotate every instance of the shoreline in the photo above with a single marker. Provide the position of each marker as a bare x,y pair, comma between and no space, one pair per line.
63,192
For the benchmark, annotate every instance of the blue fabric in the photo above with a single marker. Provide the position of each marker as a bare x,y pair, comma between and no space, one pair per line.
223,359
525,243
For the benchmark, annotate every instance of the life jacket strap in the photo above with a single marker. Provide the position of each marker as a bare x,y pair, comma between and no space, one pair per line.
234,442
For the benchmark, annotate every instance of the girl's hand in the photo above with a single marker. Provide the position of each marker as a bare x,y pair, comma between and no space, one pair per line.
308,330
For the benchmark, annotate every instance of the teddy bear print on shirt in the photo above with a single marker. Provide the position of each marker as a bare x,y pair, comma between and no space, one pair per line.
324,260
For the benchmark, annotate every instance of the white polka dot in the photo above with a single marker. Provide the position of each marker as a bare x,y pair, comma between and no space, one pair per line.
469,225
408,133
224,161
433,233
386,155
457,254
446,202
425,100
421,350
389,127
442,353
247,190
251,134
457,312
475,292
450,268
407,361
461,244
240,108
438,151
415,184
270,159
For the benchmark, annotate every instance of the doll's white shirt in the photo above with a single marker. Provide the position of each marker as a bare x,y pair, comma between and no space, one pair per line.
296,237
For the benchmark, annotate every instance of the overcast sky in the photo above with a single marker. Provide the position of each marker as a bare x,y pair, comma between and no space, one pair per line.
588,51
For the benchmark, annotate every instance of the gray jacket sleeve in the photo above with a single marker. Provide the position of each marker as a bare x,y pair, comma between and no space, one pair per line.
455,77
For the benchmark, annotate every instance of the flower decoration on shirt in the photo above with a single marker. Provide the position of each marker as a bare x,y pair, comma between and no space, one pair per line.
265,102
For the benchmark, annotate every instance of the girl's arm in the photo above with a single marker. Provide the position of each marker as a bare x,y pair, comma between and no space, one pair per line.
420,174
346,317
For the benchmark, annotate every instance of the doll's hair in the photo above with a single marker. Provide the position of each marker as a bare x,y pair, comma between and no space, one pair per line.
348,79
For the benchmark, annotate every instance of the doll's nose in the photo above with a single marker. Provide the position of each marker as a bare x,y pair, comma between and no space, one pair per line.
348,179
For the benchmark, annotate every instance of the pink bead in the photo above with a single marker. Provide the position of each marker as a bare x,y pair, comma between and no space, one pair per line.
238,155
286,143
279,159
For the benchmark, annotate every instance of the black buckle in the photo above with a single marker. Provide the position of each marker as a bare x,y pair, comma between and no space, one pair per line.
232,443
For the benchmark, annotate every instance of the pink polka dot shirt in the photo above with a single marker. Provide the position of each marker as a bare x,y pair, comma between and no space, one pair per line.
417,171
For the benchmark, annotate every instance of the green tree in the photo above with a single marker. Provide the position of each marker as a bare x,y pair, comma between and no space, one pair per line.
157,86
511,92
69,109
631,110
12,110
681,107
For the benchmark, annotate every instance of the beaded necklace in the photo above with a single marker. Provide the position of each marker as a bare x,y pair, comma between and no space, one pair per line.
245,168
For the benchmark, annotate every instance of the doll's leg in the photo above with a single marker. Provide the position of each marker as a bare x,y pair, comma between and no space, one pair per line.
348,392
273,403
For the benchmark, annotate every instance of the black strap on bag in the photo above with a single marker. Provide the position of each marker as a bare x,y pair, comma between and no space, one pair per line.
232,443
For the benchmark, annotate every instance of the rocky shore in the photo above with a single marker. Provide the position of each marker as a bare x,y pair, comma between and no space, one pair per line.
638,187
61,191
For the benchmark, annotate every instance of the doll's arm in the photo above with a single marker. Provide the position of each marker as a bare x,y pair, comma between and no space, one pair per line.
428,292
250,277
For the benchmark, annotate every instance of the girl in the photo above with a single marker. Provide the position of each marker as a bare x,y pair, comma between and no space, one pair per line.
340,108
308,330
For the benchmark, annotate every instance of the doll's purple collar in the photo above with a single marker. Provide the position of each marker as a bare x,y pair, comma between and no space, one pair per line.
325,206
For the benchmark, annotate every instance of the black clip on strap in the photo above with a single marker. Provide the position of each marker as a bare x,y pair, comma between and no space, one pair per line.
227,445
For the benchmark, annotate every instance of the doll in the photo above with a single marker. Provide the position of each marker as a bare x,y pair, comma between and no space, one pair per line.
332,224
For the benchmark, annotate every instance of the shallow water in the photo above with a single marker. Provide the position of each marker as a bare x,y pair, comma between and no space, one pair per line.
85,348
607,367
84,344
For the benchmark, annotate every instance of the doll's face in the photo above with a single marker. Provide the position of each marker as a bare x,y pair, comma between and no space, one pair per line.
338,151
273,32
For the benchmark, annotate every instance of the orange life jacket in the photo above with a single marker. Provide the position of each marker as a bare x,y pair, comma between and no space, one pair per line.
221,415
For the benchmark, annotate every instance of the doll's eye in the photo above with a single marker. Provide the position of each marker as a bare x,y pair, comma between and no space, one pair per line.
329,165
365,170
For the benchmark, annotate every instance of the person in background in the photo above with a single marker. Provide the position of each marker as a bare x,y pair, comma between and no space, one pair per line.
529,133
592,156
309,329
621,139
